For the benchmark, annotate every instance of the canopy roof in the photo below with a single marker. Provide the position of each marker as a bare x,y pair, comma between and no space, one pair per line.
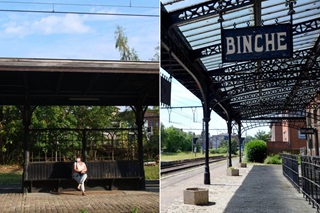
78,82
262,90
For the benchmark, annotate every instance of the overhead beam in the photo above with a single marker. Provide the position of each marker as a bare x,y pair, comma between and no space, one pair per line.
204,10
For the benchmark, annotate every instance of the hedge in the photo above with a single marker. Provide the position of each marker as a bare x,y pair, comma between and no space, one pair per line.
256,151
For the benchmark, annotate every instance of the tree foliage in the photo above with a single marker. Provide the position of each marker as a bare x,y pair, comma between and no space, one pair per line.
175,140
262,135
156,56
74,116
225,145
11,135
126,54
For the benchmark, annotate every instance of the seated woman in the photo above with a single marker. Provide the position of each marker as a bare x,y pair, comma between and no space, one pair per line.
79,173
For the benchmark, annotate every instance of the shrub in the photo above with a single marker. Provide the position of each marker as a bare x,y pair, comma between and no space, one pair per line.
256,151
213,151
273,159
222,150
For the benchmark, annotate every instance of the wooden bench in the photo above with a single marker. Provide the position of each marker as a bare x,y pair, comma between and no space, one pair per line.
108,175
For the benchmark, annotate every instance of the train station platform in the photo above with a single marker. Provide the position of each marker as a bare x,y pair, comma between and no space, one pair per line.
258,188
72,201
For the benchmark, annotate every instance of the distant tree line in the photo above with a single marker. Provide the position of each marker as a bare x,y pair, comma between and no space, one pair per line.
175,140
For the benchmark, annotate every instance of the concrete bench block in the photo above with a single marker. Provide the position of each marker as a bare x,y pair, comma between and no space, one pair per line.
232,172
243,165
196,196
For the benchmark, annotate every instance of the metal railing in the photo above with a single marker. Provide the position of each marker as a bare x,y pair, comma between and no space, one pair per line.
310,175
307,180
290,168
63,144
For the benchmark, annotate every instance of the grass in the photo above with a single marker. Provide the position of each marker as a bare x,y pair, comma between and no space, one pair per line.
151,172
273,159
166,156
10,178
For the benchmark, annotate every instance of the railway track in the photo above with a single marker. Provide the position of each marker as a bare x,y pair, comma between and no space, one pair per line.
174,166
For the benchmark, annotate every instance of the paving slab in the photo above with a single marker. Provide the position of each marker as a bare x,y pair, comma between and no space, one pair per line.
72,201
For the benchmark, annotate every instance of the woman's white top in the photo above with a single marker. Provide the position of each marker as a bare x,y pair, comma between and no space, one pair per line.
80,167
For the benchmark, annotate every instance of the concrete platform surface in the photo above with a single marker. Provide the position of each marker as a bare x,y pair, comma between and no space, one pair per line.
258,189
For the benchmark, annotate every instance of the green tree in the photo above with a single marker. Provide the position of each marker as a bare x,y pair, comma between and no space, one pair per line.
175,140
11,134
73,116
126,54
94,116
262,135
156,56
234,145
163,136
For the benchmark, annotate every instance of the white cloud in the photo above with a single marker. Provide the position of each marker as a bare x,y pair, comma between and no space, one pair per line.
53,24
102,17
61,24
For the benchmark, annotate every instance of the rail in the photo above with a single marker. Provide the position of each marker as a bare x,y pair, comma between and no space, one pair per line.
174,166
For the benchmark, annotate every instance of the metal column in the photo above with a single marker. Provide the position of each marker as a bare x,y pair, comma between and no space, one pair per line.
26,113
139,113
206,120
229,142
84,145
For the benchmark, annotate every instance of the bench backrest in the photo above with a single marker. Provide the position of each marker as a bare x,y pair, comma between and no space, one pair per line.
101,169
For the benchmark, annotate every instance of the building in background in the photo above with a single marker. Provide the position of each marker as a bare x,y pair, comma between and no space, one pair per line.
286,137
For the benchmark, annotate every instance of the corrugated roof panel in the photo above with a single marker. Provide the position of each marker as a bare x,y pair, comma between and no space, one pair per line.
239,18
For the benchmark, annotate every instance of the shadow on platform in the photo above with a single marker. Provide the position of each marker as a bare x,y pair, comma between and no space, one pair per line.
266,190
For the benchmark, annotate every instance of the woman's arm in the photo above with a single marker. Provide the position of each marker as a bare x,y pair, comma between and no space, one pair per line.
84,169
75,167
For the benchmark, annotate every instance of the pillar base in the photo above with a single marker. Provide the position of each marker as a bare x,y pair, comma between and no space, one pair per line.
243,165
196,196
232,172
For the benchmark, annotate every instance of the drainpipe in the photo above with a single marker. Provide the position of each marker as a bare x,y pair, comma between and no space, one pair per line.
240,142
229,142
317,141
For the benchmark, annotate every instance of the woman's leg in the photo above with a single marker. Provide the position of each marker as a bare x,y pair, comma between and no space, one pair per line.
77,177
83,178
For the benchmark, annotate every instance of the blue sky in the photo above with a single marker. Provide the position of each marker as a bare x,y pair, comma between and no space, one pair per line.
77,36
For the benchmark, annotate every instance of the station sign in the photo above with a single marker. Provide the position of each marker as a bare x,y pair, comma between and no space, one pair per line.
257,43
306,131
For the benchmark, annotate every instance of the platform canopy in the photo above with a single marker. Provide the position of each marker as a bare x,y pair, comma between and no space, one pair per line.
252,90
78,82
